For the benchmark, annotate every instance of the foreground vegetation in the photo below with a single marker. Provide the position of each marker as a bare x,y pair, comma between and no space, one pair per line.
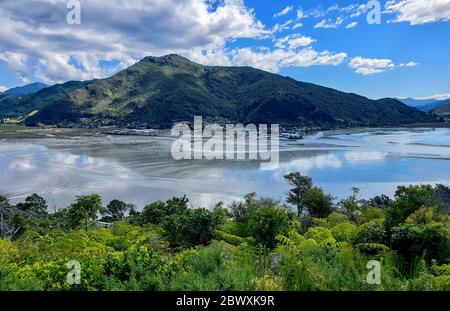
307,243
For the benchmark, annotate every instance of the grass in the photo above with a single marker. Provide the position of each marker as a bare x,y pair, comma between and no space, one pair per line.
11,127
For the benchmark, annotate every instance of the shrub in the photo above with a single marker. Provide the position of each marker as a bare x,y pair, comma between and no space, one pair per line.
442,276
372,248
370,213
135,264
268,222
372,232
427,215
218,266
192,227
11,281
407,200
430,241
322,267
8,251
321,235
229,238
344,232
336,218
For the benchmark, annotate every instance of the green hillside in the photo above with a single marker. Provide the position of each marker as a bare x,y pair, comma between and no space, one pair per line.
14,102
443,110
158,91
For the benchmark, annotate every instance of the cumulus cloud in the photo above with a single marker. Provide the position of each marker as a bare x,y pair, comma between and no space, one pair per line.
17,62
284,11
351,25
418,12
39,36
328,23
370,66
294,41
273,60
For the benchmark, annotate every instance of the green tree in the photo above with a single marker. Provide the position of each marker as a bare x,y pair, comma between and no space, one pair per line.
191,227
242,211
318,203
84,211
115,210
351,205
300,185
157,212
442,197
408,199
431,241
34,204
269,222
380,201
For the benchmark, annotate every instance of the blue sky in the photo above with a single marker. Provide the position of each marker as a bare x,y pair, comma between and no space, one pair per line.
325,42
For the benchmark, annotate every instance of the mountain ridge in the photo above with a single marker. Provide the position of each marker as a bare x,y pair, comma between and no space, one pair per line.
158,91
423,104
12,101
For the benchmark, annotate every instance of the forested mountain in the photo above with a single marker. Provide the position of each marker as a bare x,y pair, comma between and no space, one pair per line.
158,91
13,101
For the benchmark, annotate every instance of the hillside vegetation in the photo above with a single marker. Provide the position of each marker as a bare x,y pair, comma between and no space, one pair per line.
443,110
15,102
308,243
158,91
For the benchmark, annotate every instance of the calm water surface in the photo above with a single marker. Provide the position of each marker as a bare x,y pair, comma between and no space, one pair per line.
140,170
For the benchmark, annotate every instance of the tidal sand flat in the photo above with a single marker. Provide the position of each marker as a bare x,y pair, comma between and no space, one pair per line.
140,170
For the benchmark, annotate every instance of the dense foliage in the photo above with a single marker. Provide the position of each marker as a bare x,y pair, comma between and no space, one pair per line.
253,244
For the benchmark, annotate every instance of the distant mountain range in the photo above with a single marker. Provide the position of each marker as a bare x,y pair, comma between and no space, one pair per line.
158,91
13,101
423,104
26,89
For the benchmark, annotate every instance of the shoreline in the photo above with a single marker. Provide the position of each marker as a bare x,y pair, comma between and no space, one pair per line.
68,133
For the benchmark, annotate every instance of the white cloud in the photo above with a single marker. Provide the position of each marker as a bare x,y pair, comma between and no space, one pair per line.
3,88
418,12
410,64
273,60
359,10
328,23
300,13
293,41
297,25
437,96
280,27
369,66
351,25
284,11
17,62
39,41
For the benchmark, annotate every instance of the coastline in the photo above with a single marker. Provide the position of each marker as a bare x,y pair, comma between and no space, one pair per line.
67,133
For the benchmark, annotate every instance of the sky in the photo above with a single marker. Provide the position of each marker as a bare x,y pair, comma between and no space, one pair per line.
336,43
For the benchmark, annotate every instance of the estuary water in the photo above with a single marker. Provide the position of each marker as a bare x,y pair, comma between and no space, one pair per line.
141,170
